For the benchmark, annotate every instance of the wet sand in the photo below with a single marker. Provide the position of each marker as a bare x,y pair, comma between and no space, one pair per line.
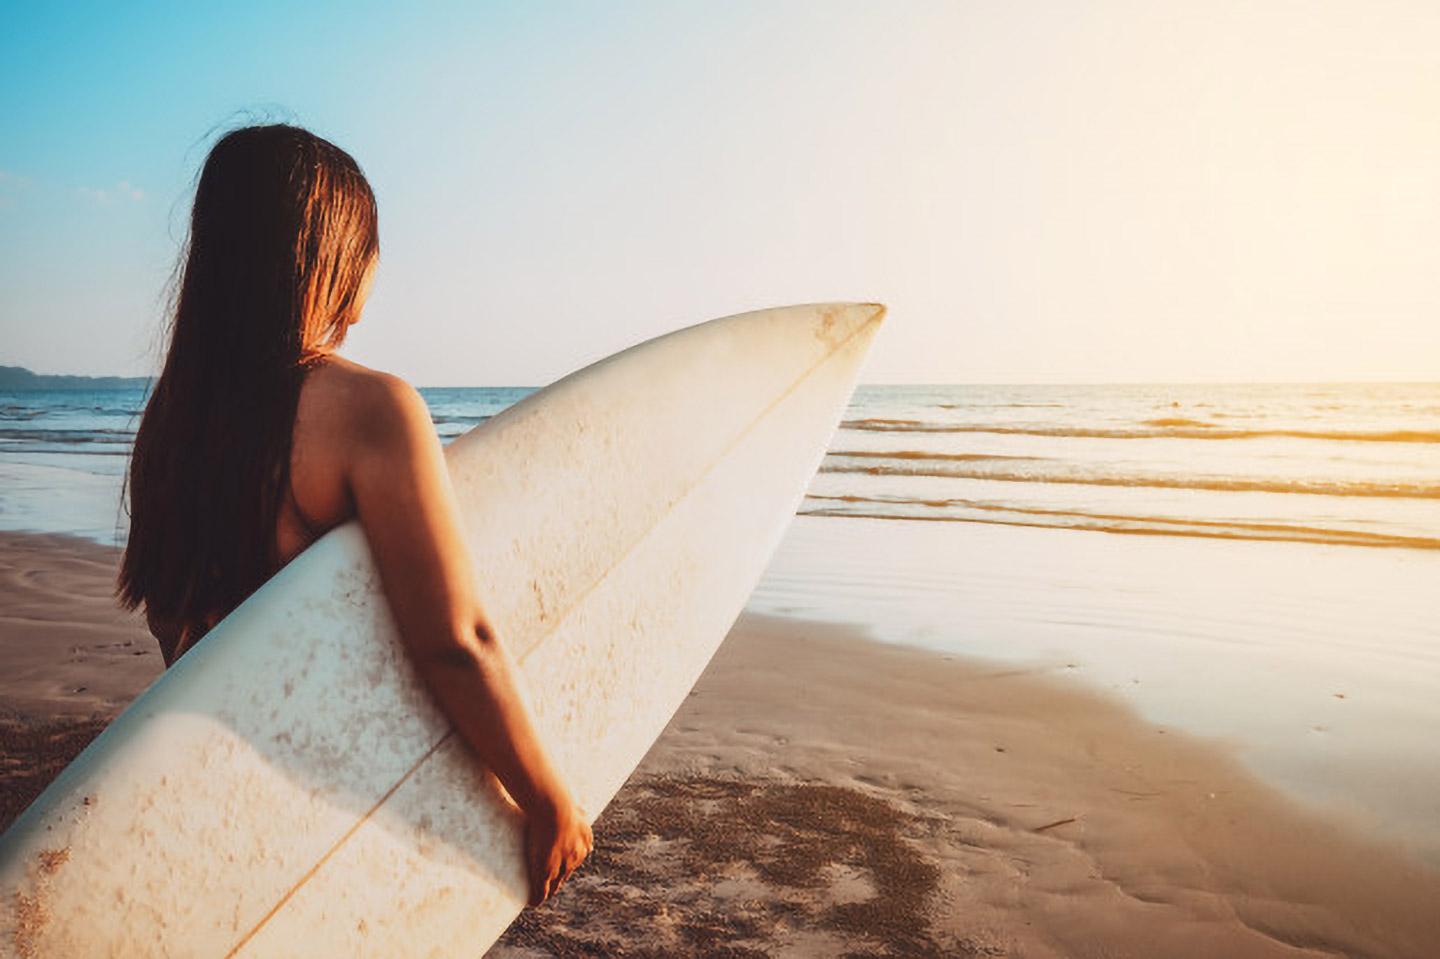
820,794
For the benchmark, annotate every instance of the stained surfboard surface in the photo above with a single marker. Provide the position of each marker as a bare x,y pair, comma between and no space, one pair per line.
289,789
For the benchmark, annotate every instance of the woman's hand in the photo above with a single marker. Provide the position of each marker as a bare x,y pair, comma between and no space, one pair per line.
556,842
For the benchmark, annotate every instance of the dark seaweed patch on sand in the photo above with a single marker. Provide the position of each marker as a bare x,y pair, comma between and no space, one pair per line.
33,752
734,869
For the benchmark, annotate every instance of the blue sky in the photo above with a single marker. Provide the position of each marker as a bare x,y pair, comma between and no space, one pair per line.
1044,191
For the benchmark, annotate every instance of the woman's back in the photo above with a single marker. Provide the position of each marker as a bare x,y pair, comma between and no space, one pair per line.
336,398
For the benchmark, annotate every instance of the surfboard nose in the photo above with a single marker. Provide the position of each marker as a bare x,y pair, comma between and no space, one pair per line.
839,325
850,318
877,310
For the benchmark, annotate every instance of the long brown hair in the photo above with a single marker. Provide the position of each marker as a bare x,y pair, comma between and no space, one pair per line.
282,235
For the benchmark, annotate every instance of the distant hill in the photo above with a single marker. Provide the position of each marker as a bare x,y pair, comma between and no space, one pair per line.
19,378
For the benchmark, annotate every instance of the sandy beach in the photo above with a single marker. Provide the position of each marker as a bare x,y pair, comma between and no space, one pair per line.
821,794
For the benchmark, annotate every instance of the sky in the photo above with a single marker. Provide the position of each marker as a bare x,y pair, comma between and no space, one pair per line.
1064,191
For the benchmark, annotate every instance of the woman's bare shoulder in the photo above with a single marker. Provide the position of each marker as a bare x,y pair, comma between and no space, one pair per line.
357,433
349,381
363,404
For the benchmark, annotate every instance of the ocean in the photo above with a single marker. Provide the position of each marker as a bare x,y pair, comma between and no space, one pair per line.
1346,464
1253,564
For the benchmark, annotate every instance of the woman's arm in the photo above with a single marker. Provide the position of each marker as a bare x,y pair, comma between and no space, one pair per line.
402,494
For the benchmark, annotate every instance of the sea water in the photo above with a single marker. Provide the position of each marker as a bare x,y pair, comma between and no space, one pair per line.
1257,564
1338,464
1352,464
64,453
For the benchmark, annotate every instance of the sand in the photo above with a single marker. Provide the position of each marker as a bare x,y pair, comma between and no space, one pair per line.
821,794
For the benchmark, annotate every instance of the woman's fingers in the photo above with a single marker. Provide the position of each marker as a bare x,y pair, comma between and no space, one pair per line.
555,849
556,876
547,872
538,848
538,882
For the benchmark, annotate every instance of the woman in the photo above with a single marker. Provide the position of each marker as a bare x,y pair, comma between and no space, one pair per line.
258,439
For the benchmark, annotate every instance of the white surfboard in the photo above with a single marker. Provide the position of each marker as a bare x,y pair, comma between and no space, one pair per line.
288,788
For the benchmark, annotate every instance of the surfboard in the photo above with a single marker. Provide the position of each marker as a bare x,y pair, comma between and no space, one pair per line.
289,789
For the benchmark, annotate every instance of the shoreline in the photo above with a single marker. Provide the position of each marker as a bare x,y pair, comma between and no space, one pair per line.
820,792
1316,666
